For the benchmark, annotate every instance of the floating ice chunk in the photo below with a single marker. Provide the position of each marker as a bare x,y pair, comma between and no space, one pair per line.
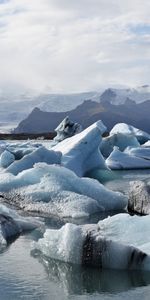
122,160
62,189
140,152
20,149
66,129
86,245
120,140
11,224
39,155
6,159
81,153
64,244
128,129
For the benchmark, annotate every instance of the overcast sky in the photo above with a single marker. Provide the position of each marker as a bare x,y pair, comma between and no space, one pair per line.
73,45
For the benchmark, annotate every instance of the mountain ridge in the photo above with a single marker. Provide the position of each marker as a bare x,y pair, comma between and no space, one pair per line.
87,113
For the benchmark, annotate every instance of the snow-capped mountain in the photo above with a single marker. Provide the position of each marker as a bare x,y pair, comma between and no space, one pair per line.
120,96
16,108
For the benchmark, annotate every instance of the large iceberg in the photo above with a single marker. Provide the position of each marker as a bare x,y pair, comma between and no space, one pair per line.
57,190
118,242
126,160
81,153
131,130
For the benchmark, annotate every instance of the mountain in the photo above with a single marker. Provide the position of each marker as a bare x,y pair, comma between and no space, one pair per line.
13,109
87,113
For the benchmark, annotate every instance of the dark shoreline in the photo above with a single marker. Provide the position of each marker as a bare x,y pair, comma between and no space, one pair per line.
26,136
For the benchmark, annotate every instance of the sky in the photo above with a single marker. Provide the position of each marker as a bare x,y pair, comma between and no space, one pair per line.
63,46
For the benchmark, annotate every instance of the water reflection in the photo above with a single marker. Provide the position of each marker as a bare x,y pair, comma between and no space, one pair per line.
78,280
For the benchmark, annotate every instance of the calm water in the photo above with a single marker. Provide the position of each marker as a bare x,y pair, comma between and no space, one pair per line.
25,274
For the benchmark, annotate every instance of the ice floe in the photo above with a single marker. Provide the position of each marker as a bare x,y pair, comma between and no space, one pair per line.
141,152
120,140
118,242
126,160
39,155
60,191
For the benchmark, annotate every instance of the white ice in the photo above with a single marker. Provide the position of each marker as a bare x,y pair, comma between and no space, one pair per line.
120,140
124,160
65,193
118,242
81,153
141,152
129,230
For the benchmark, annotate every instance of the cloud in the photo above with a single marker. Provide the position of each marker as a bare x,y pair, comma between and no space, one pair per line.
69,45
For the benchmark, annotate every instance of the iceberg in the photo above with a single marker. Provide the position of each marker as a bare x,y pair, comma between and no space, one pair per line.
141,136
66,129
113,243
20,149
6,158
81,153
54,189
121,140
39,155
124,160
